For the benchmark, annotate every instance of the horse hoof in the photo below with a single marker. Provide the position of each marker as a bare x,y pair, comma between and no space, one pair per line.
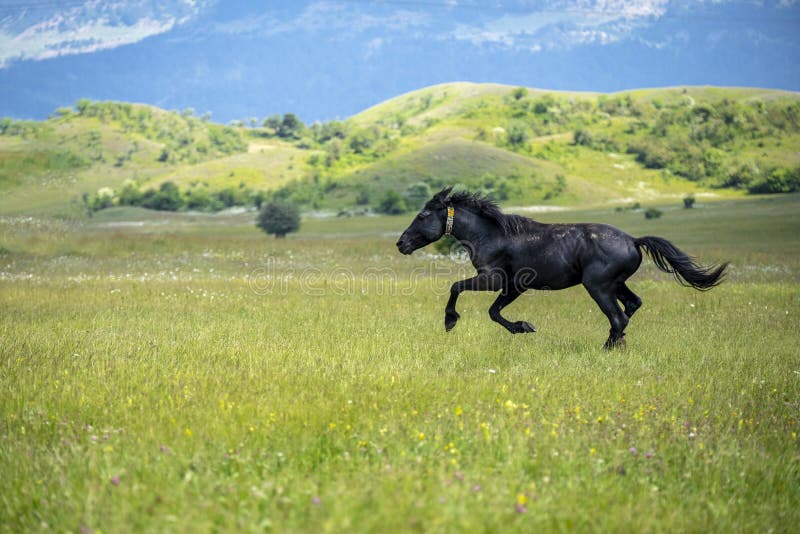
618,344
522,327
450,321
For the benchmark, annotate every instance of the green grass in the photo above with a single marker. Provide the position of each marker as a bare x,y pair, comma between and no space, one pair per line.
185,372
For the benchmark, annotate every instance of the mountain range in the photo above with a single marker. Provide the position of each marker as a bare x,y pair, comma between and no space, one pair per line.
328,59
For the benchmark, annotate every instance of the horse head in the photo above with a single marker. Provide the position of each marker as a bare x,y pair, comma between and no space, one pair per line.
428,226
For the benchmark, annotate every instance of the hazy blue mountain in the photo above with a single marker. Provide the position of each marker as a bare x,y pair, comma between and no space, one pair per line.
323,60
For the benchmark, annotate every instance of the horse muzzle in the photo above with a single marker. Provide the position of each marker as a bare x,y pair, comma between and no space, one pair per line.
404,246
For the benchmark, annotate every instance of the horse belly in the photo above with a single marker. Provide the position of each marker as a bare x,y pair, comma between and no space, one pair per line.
554,273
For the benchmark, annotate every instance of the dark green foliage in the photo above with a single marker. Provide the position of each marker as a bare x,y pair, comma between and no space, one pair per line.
742,176
166,198
232,196
184,136
779,180
495,188
652,213
650,154
102,200
290,127
517,134
362,198
201,199
558,188
688,202
417,194
582,137
130,195
278,217
327,131
363,140
392,203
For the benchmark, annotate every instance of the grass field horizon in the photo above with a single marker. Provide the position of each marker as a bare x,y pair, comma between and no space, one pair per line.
186,372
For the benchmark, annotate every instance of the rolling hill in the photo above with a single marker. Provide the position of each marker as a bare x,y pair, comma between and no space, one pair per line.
522,146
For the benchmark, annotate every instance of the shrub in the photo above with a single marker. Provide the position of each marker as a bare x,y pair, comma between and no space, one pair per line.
129,195
392,204
278,217
166,198
102,200
417,194
362,198
517,134
780,180
199,198
688,202
582,137
652,213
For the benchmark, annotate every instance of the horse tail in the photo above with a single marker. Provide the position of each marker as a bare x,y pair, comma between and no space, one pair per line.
670,259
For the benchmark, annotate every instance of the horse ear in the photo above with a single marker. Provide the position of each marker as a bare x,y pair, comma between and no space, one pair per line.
442,195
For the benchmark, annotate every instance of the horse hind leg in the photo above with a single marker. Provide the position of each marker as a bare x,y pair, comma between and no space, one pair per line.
629,299
606,299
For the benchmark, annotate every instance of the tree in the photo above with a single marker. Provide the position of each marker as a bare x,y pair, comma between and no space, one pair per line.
83,105
517,134
167,198
582,137
652,213
392,204
417,194
519,93
290,126
130,195
278,217
272,122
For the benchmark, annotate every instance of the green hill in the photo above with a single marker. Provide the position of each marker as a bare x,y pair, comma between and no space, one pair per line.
522,146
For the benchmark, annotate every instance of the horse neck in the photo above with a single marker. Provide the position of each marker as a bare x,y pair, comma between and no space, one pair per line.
474,229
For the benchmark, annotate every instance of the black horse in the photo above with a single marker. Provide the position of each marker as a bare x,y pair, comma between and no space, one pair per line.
513,254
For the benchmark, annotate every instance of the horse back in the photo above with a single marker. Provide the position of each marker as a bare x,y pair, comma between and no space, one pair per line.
555,256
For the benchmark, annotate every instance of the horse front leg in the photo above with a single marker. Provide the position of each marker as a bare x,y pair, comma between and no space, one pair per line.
481,282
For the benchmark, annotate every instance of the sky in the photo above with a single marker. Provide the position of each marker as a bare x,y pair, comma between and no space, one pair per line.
330,59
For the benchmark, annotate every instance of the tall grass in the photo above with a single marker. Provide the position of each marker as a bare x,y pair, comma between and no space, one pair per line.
200,376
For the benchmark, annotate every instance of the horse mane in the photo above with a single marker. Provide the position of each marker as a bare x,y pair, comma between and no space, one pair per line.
509,224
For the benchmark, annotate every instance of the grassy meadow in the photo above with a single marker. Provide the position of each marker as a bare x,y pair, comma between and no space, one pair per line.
177,372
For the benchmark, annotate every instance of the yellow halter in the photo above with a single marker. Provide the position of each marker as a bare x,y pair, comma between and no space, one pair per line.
451,213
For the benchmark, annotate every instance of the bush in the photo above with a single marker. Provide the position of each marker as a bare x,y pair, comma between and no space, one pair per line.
232,196
517,134
199,199
652,213
582,137
392,204
166,198
362,198
102,200
417,194
129,195
278,217
650,155
780,180
688,202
